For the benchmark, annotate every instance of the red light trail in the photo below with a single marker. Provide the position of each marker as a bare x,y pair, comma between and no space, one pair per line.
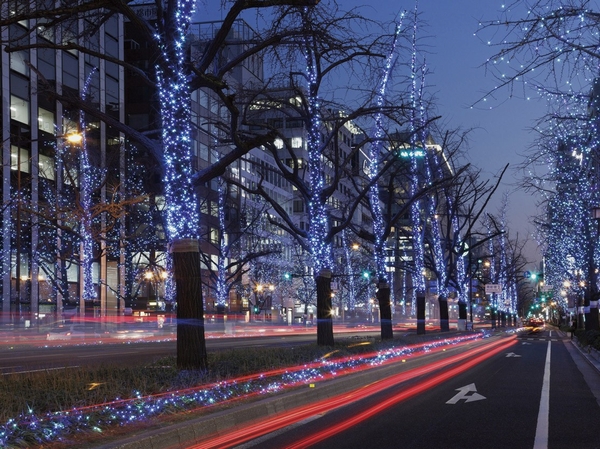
251,431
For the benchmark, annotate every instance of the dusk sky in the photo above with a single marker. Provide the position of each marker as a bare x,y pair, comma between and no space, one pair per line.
500,128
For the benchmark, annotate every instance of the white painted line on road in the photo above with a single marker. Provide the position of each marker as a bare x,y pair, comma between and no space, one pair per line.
112,353
268,436
541,431
40,370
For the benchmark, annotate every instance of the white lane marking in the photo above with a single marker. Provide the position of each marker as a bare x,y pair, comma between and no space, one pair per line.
108,353
40,370
541,431
268,436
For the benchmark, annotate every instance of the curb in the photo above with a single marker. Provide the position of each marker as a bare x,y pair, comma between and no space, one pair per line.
590,354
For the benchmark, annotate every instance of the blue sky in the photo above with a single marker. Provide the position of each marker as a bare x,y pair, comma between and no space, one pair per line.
500,129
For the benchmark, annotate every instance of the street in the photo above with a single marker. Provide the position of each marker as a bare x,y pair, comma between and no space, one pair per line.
89,350
538,393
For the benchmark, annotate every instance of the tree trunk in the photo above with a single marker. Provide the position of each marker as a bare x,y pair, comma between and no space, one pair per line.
594,321
191,343
324,320
444,315
462,310
493,317
385,311
420,314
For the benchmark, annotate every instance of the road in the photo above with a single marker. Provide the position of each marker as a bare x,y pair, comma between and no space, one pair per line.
34,354
536,393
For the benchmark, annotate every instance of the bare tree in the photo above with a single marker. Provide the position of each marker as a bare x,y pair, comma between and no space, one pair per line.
552,47
318,163
173,75
461,206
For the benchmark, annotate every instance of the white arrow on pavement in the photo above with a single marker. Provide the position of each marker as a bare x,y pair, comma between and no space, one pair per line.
525,343
468,393
512,354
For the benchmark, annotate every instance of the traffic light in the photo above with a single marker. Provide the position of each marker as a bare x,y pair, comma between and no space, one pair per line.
256,309
287,276
366,274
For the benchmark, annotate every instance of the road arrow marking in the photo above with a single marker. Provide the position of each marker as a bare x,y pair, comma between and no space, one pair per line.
512,354
525,343
468,393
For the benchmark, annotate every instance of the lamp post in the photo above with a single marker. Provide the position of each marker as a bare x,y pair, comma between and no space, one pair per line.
260,298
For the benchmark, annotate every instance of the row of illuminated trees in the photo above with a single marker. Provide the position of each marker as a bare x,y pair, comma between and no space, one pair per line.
551,46
376,187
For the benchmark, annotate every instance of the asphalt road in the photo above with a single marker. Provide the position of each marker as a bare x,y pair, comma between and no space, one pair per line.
540,393
34,355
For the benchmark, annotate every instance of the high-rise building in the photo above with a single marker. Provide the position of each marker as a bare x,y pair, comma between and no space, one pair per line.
42,170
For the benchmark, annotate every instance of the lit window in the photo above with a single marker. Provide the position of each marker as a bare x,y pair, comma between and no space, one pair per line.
19,109
19,158
278,144
46,167
296,142
46,120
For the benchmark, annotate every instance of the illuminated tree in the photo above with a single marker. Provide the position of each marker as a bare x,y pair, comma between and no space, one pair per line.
174,75
550,48
376,148
320,161
238,246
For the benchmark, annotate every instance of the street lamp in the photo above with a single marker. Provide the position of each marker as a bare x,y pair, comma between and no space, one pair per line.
260,298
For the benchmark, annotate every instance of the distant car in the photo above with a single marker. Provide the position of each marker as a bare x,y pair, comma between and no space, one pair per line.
535,322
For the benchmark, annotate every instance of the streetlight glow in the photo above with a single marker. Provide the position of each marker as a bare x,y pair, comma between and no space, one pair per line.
74,138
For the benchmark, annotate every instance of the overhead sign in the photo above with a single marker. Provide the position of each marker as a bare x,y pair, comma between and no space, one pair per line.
546,288
527,274
493,288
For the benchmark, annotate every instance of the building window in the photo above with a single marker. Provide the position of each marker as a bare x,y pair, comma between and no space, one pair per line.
46,120
19,159
214,236
298,206
46,63
70,71
19,109
18,62
214,208
71,176
203,151
296,142
46,167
